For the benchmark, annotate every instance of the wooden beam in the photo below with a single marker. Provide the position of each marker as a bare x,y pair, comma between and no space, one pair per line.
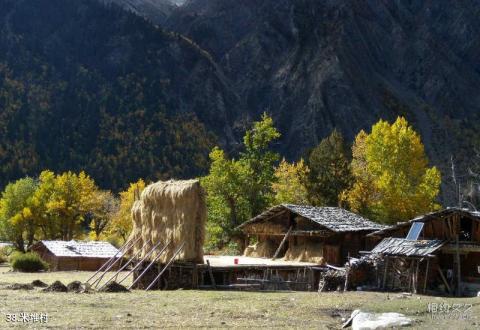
212,279
149,253
385,273
159,254
444,280
285,238
177,252
106,266
458,269
415,284
99,280
426,276
135,256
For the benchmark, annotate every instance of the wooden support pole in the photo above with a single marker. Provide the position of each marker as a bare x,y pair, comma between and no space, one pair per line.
282,243
459,274
210,272
98,280
385,273
166,266
426,276
127,263
444,279
347,273
415,285
150,265
109,261
140,262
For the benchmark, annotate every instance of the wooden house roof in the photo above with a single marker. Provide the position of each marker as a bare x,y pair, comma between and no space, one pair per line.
73,248
333,218
428,217
408,248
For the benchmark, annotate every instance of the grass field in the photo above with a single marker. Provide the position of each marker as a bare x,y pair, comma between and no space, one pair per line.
216,309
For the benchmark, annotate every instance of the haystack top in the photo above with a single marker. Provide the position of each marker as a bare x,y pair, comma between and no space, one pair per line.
80,249
333,218
171,188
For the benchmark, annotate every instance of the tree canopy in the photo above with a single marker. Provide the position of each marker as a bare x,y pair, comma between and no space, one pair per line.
239,189
392,179
330,174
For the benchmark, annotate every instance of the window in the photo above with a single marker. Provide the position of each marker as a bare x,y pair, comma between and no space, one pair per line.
415,231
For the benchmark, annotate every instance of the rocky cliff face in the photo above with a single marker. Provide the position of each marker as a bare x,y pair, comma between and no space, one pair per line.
156,11
316,65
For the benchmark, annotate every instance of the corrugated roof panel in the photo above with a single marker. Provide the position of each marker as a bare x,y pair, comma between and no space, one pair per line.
81,249
408,248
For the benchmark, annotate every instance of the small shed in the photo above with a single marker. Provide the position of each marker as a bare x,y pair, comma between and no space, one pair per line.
75,255
307,233
438,251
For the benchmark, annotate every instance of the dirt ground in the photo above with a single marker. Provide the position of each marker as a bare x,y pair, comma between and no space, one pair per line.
213,309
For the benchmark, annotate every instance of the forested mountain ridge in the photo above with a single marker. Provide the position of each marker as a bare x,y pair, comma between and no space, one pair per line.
88,87
84,86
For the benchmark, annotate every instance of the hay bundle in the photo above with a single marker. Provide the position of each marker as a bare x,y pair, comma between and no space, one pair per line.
263,249
172,211
306,251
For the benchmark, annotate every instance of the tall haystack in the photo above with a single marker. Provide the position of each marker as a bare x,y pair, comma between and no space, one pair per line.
172,211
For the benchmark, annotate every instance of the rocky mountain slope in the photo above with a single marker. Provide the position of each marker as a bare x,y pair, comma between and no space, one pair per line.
316,65
156,11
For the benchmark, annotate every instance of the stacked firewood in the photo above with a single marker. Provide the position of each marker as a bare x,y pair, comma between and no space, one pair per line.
331,280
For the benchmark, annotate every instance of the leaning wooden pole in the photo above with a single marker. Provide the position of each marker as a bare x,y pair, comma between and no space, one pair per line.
160,253
282,243
385,273
415,284
426,276
140,262
210,273
166,266
127,263
98,280
459,274
107,263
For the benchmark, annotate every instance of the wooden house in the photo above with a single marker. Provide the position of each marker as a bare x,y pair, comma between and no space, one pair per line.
73,255
436,251
306,233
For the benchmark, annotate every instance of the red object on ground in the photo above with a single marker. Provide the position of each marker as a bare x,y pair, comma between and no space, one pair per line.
235,261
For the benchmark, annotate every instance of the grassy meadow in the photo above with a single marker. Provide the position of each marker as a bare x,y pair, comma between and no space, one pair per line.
212,309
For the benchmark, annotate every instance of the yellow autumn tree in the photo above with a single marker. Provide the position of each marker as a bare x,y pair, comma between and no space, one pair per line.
120,226
392,179
289,186
105,207
66,199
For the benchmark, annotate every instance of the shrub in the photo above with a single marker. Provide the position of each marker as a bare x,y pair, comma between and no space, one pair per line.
4,253
27,262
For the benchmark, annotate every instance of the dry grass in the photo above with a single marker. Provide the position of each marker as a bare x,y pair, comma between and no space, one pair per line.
175,309
171,211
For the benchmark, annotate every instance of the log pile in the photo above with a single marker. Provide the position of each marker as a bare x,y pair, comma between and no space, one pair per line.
332,280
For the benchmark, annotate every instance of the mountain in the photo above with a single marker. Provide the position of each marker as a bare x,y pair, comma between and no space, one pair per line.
317,65
84,81
83,86
157,11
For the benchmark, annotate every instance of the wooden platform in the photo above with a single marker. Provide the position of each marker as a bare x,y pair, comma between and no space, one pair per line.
223,273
